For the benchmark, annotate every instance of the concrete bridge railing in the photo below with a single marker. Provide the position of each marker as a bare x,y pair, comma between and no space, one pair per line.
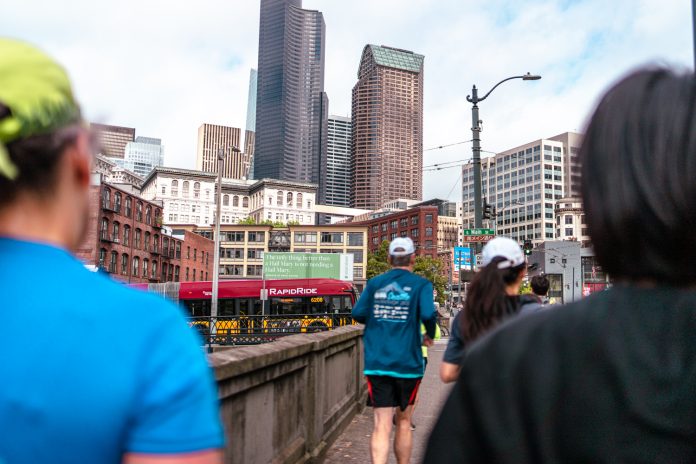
287,401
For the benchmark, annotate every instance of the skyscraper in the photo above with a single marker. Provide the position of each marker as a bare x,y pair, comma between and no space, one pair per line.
250,132
337,173
211,137
291,106
387,122
113,139
142,155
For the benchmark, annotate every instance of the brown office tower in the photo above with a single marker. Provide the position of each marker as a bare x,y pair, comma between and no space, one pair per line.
212,137
387,123
113,139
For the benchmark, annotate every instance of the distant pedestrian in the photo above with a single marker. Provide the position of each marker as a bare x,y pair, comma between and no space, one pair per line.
540,288
493,296
91,371
392,307
612,377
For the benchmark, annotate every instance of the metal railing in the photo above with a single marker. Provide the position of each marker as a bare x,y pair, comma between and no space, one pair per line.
252,330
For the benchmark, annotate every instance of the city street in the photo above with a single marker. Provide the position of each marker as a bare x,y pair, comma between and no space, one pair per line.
354,444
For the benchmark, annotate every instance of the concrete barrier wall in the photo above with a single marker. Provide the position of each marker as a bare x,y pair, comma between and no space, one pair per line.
287,401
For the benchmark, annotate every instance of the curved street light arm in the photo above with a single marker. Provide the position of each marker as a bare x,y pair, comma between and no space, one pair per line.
496,86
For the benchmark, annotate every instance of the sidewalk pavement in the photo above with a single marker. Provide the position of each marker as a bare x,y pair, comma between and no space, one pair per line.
354,444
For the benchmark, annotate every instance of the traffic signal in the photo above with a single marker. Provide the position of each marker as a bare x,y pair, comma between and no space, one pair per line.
487,210
527,247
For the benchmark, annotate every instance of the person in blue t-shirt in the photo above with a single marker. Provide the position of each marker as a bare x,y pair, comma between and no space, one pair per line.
392,307
91,371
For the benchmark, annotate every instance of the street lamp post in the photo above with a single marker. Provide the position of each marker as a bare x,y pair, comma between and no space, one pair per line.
216,238
476,141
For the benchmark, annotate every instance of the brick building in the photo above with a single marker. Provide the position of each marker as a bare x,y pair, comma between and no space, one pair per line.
196,256
125,238
419,223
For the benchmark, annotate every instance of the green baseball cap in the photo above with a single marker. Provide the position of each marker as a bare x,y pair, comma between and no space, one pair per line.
38,94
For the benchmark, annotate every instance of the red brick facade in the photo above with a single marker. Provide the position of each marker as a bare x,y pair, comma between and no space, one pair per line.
196,258
126,240
419,223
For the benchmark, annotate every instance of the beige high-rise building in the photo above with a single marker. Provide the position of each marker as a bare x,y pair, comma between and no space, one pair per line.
387,128
571,161
212,137
113,139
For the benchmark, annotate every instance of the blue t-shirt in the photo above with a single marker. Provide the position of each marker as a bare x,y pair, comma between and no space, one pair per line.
90,370
390,307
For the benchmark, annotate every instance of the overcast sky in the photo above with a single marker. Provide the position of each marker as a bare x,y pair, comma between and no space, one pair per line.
167,66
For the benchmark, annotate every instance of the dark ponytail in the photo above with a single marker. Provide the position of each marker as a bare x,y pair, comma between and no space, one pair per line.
486,300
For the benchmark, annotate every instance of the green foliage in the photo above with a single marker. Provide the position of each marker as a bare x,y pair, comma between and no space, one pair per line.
525,288
425,266
431,269
250,221
377,263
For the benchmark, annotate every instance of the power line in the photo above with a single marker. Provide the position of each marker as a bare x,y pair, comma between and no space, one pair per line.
439,147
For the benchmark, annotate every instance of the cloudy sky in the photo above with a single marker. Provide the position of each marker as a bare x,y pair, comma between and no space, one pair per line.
166,66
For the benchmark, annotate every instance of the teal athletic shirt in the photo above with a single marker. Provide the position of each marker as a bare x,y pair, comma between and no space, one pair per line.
390,307
90,370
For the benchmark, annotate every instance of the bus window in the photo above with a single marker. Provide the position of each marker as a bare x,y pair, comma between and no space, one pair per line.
197,308
347,304
226,307
288,306
319,304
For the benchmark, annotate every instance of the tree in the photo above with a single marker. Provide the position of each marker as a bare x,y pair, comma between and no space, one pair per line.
526,288
247,221
377,263
431,269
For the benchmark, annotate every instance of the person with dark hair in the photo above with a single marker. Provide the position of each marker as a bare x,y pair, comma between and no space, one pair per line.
540,287
392,307
493,296
141,392
612,377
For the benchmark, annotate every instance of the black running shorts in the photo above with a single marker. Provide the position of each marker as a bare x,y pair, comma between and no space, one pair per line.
389,392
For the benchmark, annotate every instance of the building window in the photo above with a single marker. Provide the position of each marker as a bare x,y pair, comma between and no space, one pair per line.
112,263
104,230
289,199
414,232
414,220
256,236
136,266
138,236
357,256
279,198
188,252
145,266
185,189
139,212
195,253
154,269
355,239
117,202
569,232
332,237
106,198
232,236
299,201
568,219
126,235
306,237
148,215
393,224
255,253
245,202
147,241
428,218
178,250
115,234
225,200
187,275
124,264
164,190
175,188
428,231
194,275
176,274
196,190
235,201
129,206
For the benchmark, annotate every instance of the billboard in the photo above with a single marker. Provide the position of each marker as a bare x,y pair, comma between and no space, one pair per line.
308,265
462,259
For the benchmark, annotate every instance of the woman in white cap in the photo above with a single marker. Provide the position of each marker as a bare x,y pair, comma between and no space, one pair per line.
492,297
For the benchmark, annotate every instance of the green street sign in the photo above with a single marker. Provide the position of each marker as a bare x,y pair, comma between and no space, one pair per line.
479,232
308,265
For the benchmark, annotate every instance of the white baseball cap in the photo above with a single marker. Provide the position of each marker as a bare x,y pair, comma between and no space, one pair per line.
401,246
505,248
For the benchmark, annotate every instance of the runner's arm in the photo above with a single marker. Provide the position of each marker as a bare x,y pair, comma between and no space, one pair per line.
427,310
363,305
454,354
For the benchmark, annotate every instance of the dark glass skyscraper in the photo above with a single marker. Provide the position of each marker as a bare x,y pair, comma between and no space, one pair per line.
291,106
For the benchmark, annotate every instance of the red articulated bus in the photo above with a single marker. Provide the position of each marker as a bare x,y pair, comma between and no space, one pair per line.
293,306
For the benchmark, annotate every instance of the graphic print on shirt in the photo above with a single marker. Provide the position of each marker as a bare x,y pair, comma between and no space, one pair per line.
391,303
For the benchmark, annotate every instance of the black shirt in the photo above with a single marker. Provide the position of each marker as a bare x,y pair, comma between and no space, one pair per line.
609,379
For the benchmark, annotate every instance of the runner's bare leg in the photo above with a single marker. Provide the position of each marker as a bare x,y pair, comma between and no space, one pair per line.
379,444
403,439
